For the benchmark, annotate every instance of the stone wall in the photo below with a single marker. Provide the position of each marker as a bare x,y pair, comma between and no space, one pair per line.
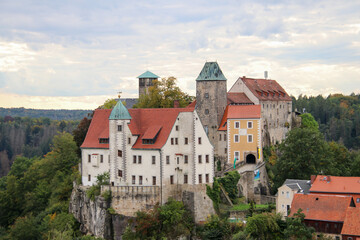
92,215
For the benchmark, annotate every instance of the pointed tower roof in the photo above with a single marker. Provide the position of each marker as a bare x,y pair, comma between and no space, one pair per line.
119,112
148,74
211,71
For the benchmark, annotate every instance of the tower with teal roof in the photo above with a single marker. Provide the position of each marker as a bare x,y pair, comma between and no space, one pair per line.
145,81
211,101
118,132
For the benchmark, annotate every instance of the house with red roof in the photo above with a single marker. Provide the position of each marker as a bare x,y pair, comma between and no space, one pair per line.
275,103
332,215
334,185
147,147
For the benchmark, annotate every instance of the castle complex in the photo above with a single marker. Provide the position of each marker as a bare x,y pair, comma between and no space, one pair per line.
153,154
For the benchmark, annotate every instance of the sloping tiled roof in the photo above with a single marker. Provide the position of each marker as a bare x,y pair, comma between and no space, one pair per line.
334,184
192,104
211,71
321,207
238,98
119,112
239,112
352,222
99,128
266,90
302,186
144,123
148,74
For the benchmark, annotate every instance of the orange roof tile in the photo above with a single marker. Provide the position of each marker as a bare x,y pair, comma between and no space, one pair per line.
234,97
239,112
323,184
266,90
192,104
99,128
144,123
322,207
352,222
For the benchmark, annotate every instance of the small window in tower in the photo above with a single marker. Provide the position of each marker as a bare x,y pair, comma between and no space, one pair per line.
120,173
119,128
129,140
199,140
206,111
177,127
89,177
154,180
185,178
200,158
206,95
171,179
89,158
186,141
167,159
220,137
119,153
186,160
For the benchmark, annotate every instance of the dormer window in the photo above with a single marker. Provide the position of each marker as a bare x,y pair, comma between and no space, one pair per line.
151,135
103,140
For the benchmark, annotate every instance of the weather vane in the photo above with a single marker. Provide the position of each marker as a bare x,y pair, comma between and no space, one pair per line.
119,94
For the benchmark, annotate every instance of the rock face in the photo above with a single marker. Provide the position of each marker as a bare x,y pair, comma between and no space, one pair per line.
93,215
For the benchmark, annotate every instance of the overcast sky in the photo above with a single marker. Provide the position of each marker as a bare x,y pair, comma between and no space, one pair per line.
76,54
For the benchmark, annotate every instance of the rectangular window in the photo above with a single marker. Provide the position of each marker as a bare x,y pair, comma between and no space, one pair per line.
186,159
177,128
186,141
199,140
199,157
154,180
237,124
206,95
177,160
185,178
176,141
167,159
225,137
153,159
133,179
207,177
236,138
200,178
119,128
250,124
219,137
287,195
172,141
140,180
225,151
207,158
172,179
89,158
89,177
206,111
236,155
119,153
139,159
101,158
134,159
129,140
250,138
120,173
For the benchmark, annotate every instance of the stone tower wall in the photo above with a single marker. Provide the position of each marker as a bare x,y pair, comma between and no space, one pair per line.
211,101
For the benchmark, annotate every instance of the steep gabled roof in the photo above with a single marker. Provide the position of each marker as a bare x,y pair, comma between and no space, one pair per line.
238,98
145,123
99,128
301,186
266,90
239,112
352,222
332,184
148,74
322,207
211,71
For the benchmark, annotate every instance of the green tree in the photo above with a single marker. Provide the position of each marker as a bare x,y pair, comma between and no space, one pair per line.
296,228
302,154
216,228
25,228
308,121
163,94
80,133
108,104
264,226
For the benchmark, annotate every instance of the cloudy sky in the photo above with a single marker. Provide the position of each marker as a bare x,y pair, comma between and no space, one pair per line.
76,54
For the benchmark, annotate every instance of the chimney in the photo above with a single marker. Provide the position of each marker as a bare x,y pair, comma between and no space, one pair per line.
328,178
313,177
176,104
266,74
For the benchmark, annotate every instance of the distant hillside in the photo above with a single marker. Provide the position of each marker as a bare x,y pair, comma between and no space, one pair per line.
338,116
53,114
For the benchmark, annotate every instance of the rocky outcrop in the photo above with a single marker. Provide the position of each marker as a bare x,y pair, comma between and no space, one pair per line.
93,215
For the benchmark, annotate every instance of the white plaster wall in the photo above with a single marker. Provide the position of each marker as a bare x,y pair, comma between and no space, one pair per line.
239,86
95,167
282,199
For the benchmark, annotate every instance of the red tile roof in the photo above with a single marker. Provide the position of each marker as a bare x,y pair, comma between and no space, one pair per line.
322,207
99,128
192,104
352,222
144,123
234,97
239,112
323,184
266,90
